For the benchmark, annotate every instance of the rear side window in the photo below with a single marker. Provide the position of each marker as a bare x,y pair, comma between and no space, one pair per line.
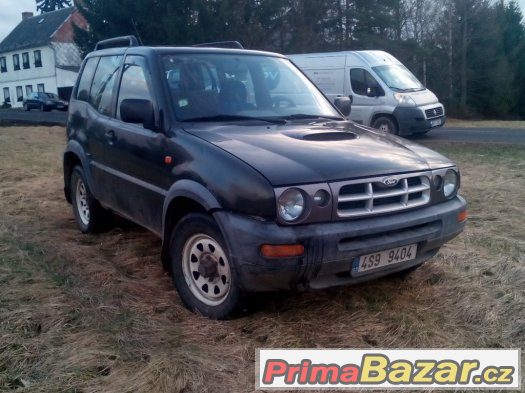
84,84
101,95
134,84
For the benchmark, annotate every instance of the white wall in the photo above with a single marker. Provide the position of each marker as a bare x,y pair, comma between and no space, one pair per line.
48,74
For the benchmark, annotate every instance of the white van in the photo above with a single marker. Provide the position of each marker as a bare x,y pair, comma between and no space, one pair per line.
385,94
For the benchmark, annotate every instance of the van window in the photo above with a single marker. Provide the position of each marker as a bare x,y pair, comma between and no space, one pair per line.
84,84
101,95
362,80
133,85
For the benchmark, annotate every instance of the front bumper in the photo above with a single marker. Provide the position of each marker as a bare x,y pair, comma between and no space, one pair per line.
330,248
413,121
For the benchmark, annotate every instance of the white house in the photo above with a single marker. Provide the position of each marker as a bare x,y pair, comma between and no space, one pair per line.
40,55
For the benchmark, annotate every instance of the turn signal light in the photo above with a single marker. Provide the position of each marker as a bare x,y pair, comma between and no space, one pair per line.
462,216
282,251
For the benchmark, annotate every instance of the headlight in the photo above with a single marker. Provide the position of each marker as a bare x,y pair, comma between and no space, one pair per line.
450,183
404,100
291,204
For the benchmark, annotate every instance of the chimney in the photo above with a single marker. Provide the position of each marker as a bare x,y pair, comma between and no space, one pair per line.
26,15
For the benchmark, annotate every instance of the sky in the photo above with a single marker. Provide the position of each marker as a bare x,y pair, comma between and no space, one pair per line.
11,13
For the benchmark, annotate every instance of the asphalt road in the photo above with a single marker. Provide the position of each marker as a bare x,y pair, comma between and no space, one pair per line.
34,117
485,135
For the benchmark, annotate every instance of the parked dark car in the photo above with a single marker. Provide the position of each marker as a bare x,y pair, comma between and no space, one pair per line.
253,180
45,102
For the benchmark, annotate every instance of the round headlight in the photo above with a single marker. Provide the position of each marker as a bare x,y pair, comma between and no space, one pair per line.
450,183
291,204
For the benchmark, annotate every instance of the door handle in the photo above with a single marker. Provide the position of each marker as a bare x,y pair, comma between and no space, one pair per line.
110,136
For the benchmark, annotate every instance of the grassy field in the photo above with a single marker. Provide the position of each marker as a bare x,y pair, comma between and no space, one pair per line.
485,123
82,313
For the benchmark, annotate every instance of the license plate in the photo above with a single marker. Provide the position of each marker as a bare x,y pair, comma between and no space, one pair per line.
435,123
380,259
60,106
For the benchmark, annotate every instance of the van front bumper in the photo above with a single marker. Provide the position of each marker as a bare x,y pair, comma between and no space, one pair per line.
331,248
413,121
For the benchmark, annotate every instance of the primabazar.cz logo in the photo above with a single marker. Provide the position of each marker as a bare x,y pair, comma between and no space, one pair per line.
388,369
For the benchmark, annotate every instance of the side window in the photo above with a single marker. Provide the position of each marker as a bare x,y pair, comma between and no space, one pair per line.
361,81
19,94
84,84
101,95
134,84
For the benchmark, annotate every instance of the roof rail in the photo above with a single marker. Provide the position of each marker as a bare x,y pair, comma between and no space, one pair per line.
118,42
222,44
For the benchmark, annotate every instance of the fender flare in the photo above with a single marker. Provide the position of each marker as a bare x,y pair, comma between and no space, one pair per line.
192,190
76,148
187,189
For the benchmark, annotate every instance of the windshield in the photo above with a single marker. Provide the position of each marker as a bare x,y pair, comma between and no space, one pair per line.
398,77
229,86
51,95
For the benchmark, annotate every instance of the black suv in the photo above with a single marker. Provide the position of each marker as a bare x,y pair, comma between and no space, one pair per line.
253,180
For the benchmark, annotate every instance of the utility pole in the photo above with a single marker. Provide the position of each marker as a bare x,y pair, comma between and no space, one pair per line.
464,47
450,76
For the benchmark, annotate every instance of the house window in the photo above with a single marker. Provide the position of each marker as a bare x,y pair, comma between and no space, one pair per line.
25,60
16,62
3,65
19,94
38,58
7,96
40,88
29,90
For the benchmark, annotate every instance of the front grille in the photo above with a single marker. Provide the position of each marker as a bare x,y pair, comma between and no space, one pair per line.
434,112
371,196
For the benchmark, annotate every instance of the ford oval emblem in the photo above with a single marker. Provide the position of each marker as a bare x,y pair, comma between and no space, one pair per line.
390,182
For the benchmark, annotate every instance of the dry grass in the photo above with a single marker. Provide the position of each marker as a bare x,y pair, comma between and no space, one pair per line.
98,314
457,123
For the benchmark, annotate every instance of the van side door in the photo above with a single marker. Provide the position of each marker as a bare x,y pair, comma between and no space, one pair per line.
367,94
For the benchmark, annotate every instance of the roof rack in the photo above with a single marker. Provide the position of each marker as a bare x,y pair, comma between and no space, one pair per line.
118,42
222,44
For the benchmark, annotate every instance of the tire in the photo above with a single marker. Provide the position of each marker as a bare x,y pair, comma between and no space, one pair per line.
201,268
91,217
26,108
386,125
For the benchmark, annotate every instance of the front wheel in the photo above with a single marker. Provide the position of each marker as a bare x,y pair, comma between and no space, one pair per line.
202,269
386,125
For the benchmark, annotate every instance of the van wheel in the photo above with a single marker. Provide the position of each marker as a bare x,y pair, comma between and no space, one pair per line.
202,269
385,124
90,215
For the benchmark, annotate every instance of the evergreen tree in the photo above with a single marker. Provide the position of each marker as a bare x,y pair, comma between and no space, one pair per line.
51,5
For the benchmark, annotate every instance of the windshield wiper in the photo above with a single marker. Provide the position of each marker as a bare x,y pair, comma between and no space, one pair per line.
298,116
235,117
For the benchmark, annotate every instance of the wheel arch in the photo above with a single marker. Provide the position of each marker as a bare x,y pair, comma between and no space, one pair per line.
73,156
382,114
185,196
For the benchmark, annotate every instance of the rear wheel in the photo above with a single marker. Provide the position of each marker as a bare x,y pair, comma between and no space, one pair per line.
386,125
201,268
90,215
26,107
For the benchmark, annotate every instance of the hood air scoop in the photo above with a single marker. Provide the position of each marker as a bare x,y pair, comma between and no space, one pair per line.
329,136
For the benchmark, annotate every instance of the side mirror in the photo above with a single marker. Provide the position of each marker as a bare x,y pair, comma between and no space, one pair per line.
344,104
138,111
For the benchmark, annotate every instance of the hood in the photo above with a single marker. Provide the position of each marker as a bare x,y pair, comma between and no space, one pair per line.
312,153
424,97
